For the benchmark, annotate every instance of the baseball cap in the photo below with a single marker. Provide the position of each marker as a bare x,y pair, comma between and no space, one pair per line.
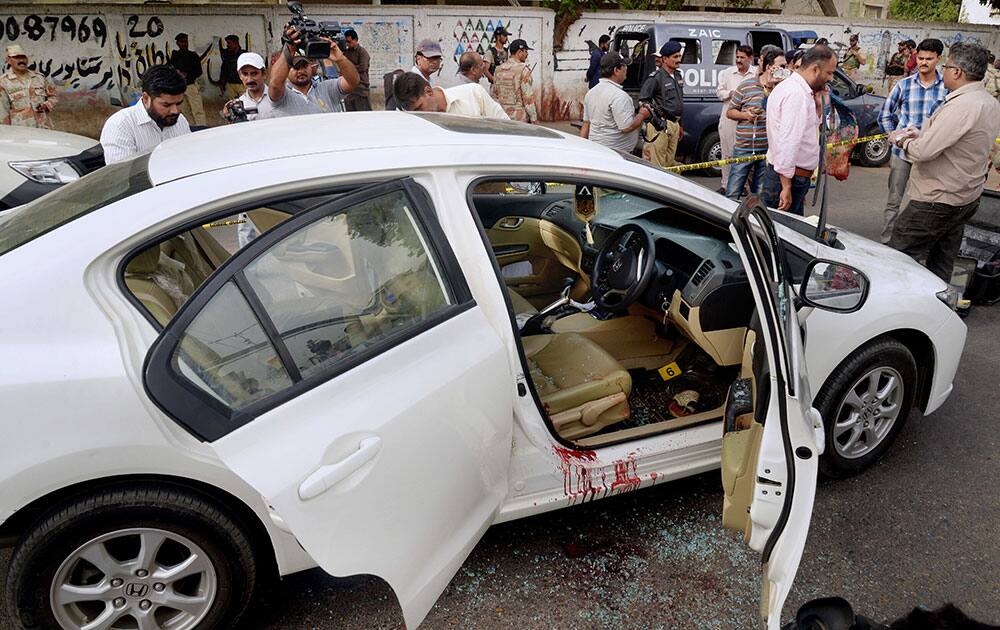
429,48
250,59
501,31
517,45
295,61
611,60
670,48
15,50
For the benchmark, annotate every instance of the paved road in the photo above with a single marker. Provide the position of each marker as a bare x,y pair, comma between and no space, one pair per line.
918,528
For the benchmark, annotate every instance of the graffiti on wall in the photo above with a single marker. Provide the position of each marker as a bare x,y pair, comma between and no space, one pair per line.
68,49
475,32
141,41
389,41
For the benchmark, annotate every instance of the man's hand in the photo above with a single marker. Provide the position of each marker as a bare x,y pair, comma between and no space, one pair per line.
754,111
292,39
45,106
225,109
785,198
643,112
336,54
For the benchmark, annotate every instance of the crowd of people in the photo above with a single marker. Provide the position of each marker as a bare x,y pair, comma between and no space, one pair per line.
774,105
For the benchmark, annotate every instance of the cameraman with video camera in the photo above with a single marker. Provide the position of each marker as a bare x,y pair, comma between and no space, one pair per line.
290,88
663,93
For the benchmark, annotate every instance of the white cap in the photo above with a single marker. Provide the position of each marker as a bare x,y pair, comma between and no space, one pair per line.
250,59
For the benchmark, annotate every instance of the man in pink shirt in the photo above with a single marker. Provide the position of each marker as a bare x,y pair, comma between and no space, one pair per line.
793,116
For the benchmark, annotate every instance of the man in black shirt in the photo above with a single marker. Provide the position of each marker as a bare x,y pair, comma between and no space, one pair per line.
188,63
664,90
230,82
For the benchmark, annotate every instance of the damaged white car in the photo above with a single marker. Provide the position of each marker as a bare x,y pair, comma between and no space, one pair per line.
442,326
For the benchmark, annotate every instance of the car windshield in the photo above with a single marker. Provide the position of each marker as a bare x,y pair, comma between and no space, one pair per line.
93,191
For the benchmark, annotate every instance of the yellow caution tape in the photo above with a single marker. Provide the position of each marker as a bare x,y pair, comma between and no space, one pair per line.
683,168
223,223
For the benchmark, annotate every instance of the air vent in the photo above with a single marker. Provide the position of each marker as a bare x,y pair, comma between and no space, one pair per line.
703,271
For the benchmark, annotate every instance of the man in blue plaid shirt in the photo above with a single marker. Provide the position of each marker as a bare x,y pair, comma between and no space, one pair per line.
911,102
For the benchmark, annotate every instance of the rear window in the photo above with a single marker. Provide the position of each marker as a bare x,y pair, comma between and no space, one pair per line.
96,190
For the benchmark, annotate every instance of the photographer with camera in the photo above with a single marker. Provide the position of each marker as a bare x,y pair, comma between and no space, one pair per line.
253,102
663,92
291,90
608,115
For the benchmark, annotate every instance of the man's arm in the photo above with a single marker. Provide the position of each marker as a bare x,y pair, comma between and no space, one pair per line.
722,90
348,72
887,117
280,68
490,59
791,126
195,70
118,143
626,119
585,129
649,88
528,95
50,94
735,110
950,124
4,107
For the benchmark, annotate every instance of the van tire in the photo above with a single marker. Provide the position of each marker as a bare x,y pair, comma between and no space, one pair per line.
710,150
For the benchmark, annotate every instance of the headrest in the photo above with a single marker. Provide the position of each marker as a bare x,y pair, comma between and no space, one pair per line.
146,262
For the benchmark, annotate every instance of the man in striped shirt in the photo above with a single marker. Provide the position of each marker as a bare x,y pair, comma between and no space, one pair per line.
154,118
746,107
911,102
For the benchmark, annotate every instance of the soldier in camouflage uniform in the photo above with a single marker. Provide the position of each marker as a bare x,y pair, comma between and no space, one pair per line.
26,97
512,86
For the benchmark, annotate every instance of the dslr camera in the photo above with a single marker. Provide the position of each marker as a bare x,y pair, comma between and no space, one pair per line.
657,116
236,111
310,32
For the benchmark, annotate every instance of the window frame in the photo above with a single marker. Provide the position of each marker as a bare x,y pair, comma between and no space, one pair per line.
208,419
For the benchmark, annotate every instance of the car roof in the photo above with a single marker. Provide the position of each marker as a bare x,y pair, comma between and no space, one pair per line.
318,134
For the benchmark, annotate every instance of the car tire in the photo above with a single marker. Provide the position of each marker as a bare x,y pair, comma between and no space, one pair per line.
61,557
874,153
864,404
710,150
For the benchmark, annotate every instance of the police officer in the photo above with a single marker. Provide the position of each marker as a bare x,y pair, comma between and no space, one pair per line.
664,88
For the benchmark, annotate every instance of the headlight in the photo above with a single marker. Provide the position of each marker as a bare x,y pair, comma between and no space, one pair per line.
58,171
950,296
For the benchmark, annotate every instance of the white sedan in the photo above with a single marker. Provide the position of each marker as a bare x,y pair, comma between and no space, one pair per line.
34,162
443,324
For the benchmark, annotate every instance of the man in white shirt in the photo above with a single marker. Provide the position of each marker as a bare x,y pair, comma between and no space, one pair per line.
729,80
154,118
470,67
609,118
250,67
414,94
291,91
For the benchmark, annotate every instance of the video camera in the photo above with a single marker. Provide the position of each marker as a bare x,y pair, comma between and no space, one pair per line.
310,32
236,111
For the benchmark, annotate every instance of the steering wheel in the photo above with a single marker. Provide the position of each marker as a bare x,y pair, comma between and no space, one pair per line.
623,267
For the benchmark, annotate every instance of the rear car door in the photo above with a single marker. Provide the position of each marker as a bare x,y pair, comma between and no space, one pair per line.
375,419
771,448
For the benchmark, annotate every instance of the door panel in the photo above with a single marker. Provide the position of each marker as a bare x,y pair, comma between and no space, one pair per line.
375,420
535,256
770,459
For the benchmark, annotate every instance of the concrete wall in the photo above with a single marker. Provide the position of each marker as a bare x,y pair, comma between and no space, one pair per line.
95,53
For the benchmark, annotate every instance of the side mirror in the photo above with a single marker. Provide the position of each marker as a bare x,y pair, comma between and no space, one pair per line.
833,286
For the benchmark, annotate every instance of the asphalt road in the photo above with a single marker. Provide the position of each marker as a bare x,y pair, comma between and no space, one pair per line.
919,528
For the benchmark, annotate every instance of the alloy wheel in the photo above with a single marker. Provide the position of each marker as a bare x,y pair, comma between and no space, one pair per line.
868,412
875,150
139,578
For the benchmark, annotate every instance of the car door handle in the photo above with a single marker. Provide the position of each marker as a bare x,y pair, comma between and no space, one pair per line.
329,475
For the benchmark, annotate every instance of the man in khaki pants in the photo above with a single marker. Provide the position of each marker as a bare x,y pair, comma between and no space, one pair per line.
188,64
664,91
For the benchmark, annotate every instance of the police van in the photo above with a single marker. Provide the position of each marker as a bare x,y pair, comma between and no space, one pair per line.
708,50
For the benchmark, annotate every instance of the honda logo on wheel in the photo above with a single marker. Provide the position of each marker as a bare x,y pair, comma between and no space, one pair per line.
135,589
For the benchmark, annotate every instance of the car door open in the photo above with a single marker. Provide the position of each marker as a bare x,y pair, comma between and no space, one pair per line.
770,446
373,415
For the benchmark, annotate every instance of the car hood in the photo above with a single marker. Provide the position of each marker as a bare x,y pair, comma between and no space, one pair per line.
880,261
27,143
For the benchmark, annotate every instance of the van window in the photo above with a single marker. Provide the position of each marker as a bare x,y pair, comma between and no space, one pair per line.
724,51
759,39
690,49
635,50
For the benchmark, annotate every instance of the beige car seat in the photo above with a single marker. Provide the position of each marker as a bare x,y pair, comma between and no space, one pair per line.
582,387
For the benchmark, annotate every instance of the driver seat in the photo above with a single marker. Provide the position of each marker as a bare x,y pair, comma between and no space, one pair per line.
582,387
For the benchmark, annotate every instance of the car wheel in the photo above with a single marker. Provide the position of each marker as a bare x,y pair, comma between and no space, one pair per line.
874,153
710,150
136,557
864,405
